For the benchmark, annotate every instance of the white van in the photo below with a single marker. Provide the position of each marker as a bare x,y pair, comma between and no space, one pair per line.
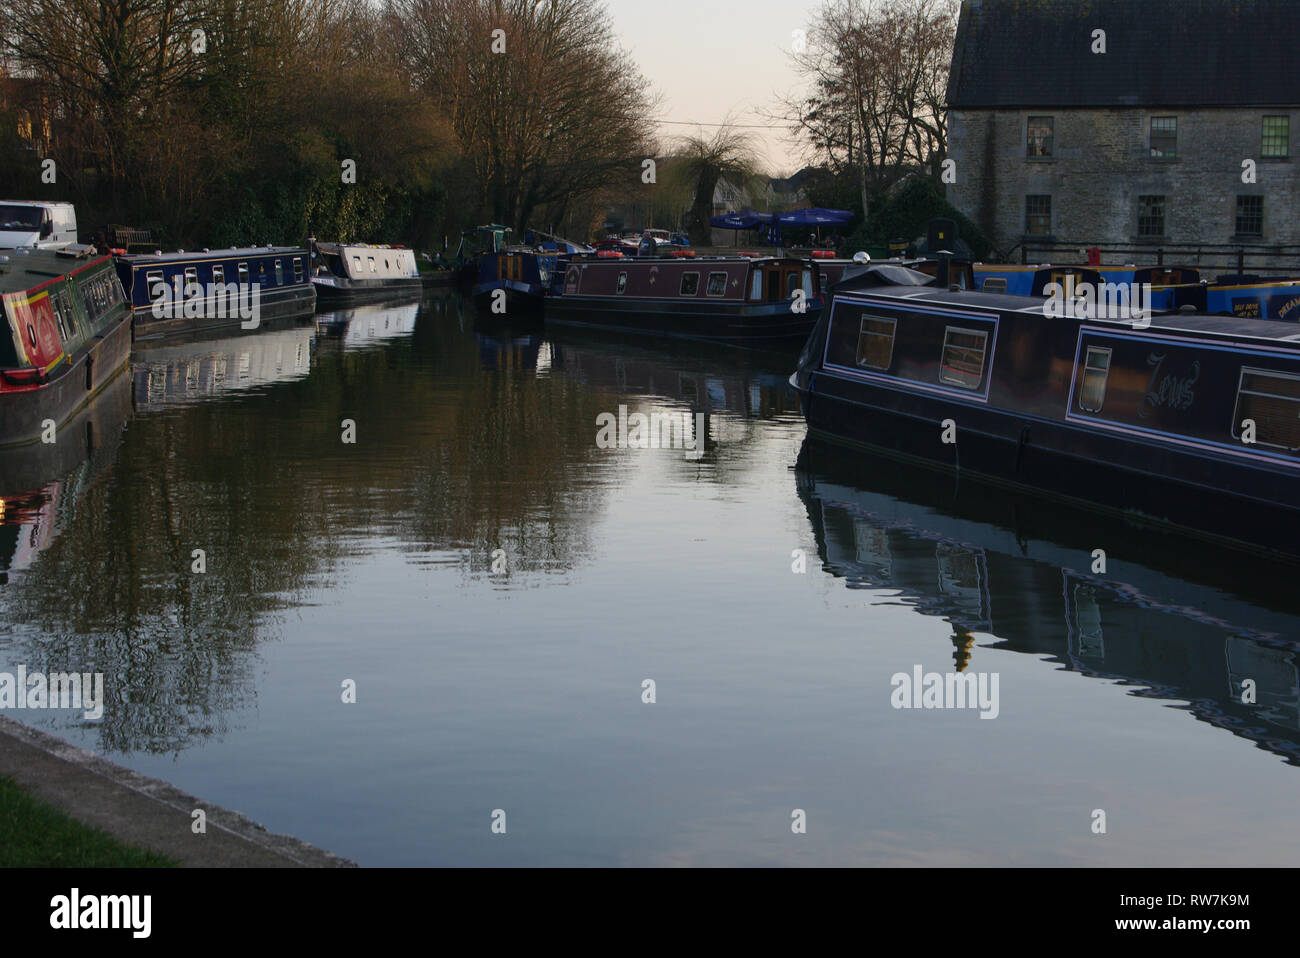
25,223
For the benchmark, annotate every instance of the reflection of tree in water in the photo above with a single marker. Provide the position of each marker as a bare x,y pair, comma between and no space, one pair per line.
447,458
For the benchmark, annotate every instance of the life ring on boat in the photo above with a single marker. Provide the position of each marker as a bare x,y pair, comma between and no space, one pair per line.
682,253
750,253
822,254
609,254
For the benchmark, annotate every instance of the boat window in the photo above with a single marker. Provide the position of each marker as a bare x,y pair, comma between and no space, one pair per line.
356,262
995,284
690,284
717,285
153,282
808,284
218,274
756,287
963,357
876,342
191,277
1096,369
243,273
279,274
63,317
371,260
386,266
622,283
791,283
1272,401
297,269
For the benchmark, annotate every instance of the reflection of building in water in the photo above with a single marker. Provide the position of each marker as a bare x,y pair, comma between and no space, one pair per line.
1149,625
198,368
41,485
365,325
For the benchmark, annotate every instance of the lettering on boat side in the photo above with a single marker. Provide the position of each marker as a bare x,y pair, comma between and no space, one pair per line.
952,690
1167,389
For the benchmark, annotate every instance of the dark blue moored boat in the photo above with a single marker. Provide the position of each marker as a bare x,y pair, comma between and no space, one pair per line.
768,302
187,292
1190,420
66,335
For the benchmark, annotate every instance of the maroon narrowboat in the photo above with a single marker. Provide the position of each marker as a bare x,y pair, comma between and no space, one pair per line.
767,302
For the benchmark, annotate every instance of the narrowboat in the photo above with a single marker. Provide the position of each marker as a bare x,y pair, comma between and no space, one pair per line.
1175,419
187,292
768,302
67,335
474,243
357,273
1171,288
512,280
1254,296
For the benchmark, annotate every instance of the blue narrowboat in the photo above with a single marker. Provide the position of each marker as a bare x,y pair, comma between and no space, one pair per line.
1154,417
184,292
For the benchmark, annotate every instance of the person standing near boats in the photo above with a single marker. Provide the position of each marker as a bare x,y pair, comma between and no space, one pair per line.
647,246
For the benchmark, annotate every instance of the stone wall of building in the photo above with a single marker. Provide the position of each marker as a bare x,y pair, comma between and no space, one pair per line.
1101,164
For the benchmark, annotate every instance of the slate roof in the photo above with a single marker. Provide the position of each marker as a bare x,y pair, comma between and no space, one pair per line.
1159,53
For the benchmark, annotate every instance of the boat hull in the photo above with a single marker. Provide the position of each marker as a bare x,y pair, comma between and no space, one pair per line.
274,305
333,291
763,326
71,389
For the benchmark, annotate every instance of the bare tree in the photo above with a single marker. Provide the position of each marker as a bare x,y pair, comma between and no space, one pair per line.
877,72
702,161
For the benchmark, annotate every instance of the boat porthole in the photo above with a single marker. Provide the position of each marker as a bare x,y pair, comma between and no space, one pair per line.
31,334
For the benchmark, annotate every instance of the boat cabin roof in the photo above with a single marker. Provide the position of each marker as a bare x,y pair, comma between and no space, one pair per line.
25,270
1233,327
201,254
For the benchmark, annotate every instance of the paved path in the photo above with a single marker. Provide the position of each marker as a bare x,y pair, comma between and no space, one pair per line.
144,811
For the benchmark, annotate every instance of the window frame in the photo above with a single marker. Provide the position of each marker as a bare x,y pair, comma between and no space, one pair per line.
695,289
1029,215
1237,219
948,331
1236,406
1083,378
1142,201
708,284
1284,120
1151,138
1049,139
863,331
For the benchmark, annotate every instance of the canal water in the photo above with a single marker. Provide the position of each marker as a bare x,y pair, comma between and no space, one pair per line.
625,656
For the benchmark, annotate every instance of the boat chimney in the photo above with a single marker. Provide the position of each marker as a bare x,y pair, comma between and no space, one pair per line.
944,272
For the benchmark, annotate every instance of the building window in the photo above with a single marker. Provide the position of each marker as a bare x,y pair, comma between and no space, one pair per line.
1272,401
1038,215
1096,368
1250,216
876,342
690,284
1151,216
1039,137
1276,138
963,357
717,285
1164,137
622,283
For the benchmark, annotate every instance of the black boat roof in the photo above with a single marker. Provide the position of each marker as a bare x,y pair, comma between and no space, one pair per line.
1235,327
26,269
199,255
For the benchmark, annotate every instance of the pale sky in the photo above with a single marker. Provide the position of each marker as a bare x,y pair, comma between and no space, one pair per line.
708,58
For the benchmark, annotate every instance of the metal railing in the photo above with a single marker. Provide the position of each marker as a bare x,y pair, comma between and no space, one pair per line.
1236,258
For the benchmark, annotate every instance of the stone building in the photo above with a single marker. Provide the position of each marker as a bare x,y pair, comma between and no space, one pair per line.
1138,123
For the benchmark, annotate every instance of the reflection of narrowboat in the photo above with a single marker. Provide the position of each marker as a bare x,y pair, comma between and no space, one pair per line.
212,364
181,293
1154,422
764,302
40,484
1017,571
359,273
366,325
68,333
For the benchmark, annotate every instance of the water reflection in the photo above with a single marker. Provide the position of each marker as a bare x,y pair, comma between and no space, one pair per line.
1175,620
260,480
371,325
193,368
